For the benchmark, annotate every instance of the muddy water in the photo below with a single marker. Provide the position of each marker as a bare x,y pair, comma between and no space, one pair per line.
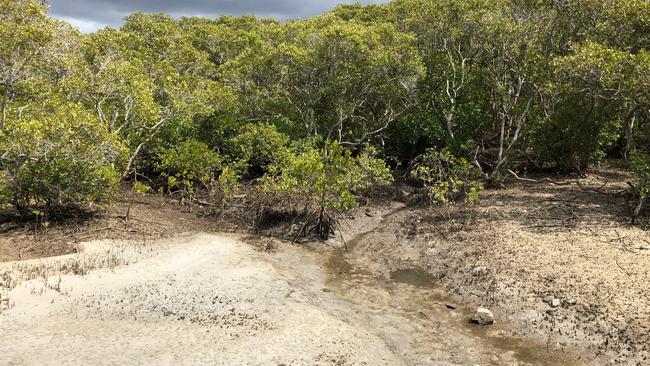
413,276
412,293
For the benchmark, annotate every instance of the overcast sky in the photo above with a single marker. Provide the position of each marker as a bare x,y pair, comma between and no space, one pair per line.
90,15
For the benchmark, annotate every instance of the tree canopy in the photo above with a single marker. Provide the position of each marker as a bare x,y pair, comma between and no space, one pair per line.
486,85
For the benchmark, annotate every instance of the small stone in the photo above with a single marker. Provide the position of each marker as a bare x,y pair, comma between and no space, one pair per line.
556,303
571,302
450,306
483,316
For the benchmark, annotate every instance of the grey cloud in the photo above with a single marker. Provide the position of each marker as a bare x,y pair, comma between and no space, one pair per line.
89,15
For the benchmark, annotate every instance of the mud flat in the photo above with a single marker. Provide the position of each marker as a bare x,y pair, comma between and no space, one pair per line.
558,265
211,299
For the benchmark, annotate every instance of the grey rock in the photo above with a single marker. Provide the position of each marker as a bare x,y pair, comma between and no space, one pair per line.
483,316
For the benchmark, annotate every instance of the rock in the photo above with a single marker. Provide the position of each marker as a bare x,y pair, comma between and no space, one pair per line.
571,302
450,306
483,316
556,303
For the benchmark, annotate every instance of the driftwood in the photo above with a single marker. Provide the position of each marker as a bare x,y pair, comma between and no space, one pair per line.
635,214
545,180
566,183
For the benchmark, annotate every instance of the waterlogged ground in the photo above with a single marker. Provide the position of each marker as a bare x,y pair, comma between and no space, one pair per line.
210,299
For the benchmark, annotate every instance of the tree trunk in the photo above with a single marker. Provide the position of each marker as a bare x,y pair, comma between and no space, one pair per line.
450,128
3,106
637,210
628,127
321,223
129,164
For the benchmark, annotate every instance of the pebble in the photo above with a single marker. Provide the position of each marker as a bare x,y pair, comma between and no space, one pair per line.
483,316
556,303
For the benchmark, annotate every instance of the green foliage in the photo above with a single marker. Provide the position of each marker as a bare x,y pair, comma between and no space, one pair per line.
25,33
325,178
255,147
226,187
5,189
188,164
415,131
114,85
447,178
577,134
563,83
141,188
192,168
225,38
372,170
64,158
333,78
324,181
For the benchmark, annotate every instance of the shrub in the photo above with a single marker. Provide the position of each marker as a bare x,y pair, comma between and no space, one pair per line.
255,147
66,158
324,181
225,188
574,137
5,189
189,164
447,178
413,132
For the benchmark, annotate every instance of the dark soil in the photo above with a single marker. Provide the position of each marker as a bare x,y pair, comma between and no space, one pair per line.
151,217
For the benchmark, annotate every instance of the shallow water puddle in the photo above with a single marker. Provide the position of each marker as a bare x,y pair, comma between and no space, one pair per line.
413,276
